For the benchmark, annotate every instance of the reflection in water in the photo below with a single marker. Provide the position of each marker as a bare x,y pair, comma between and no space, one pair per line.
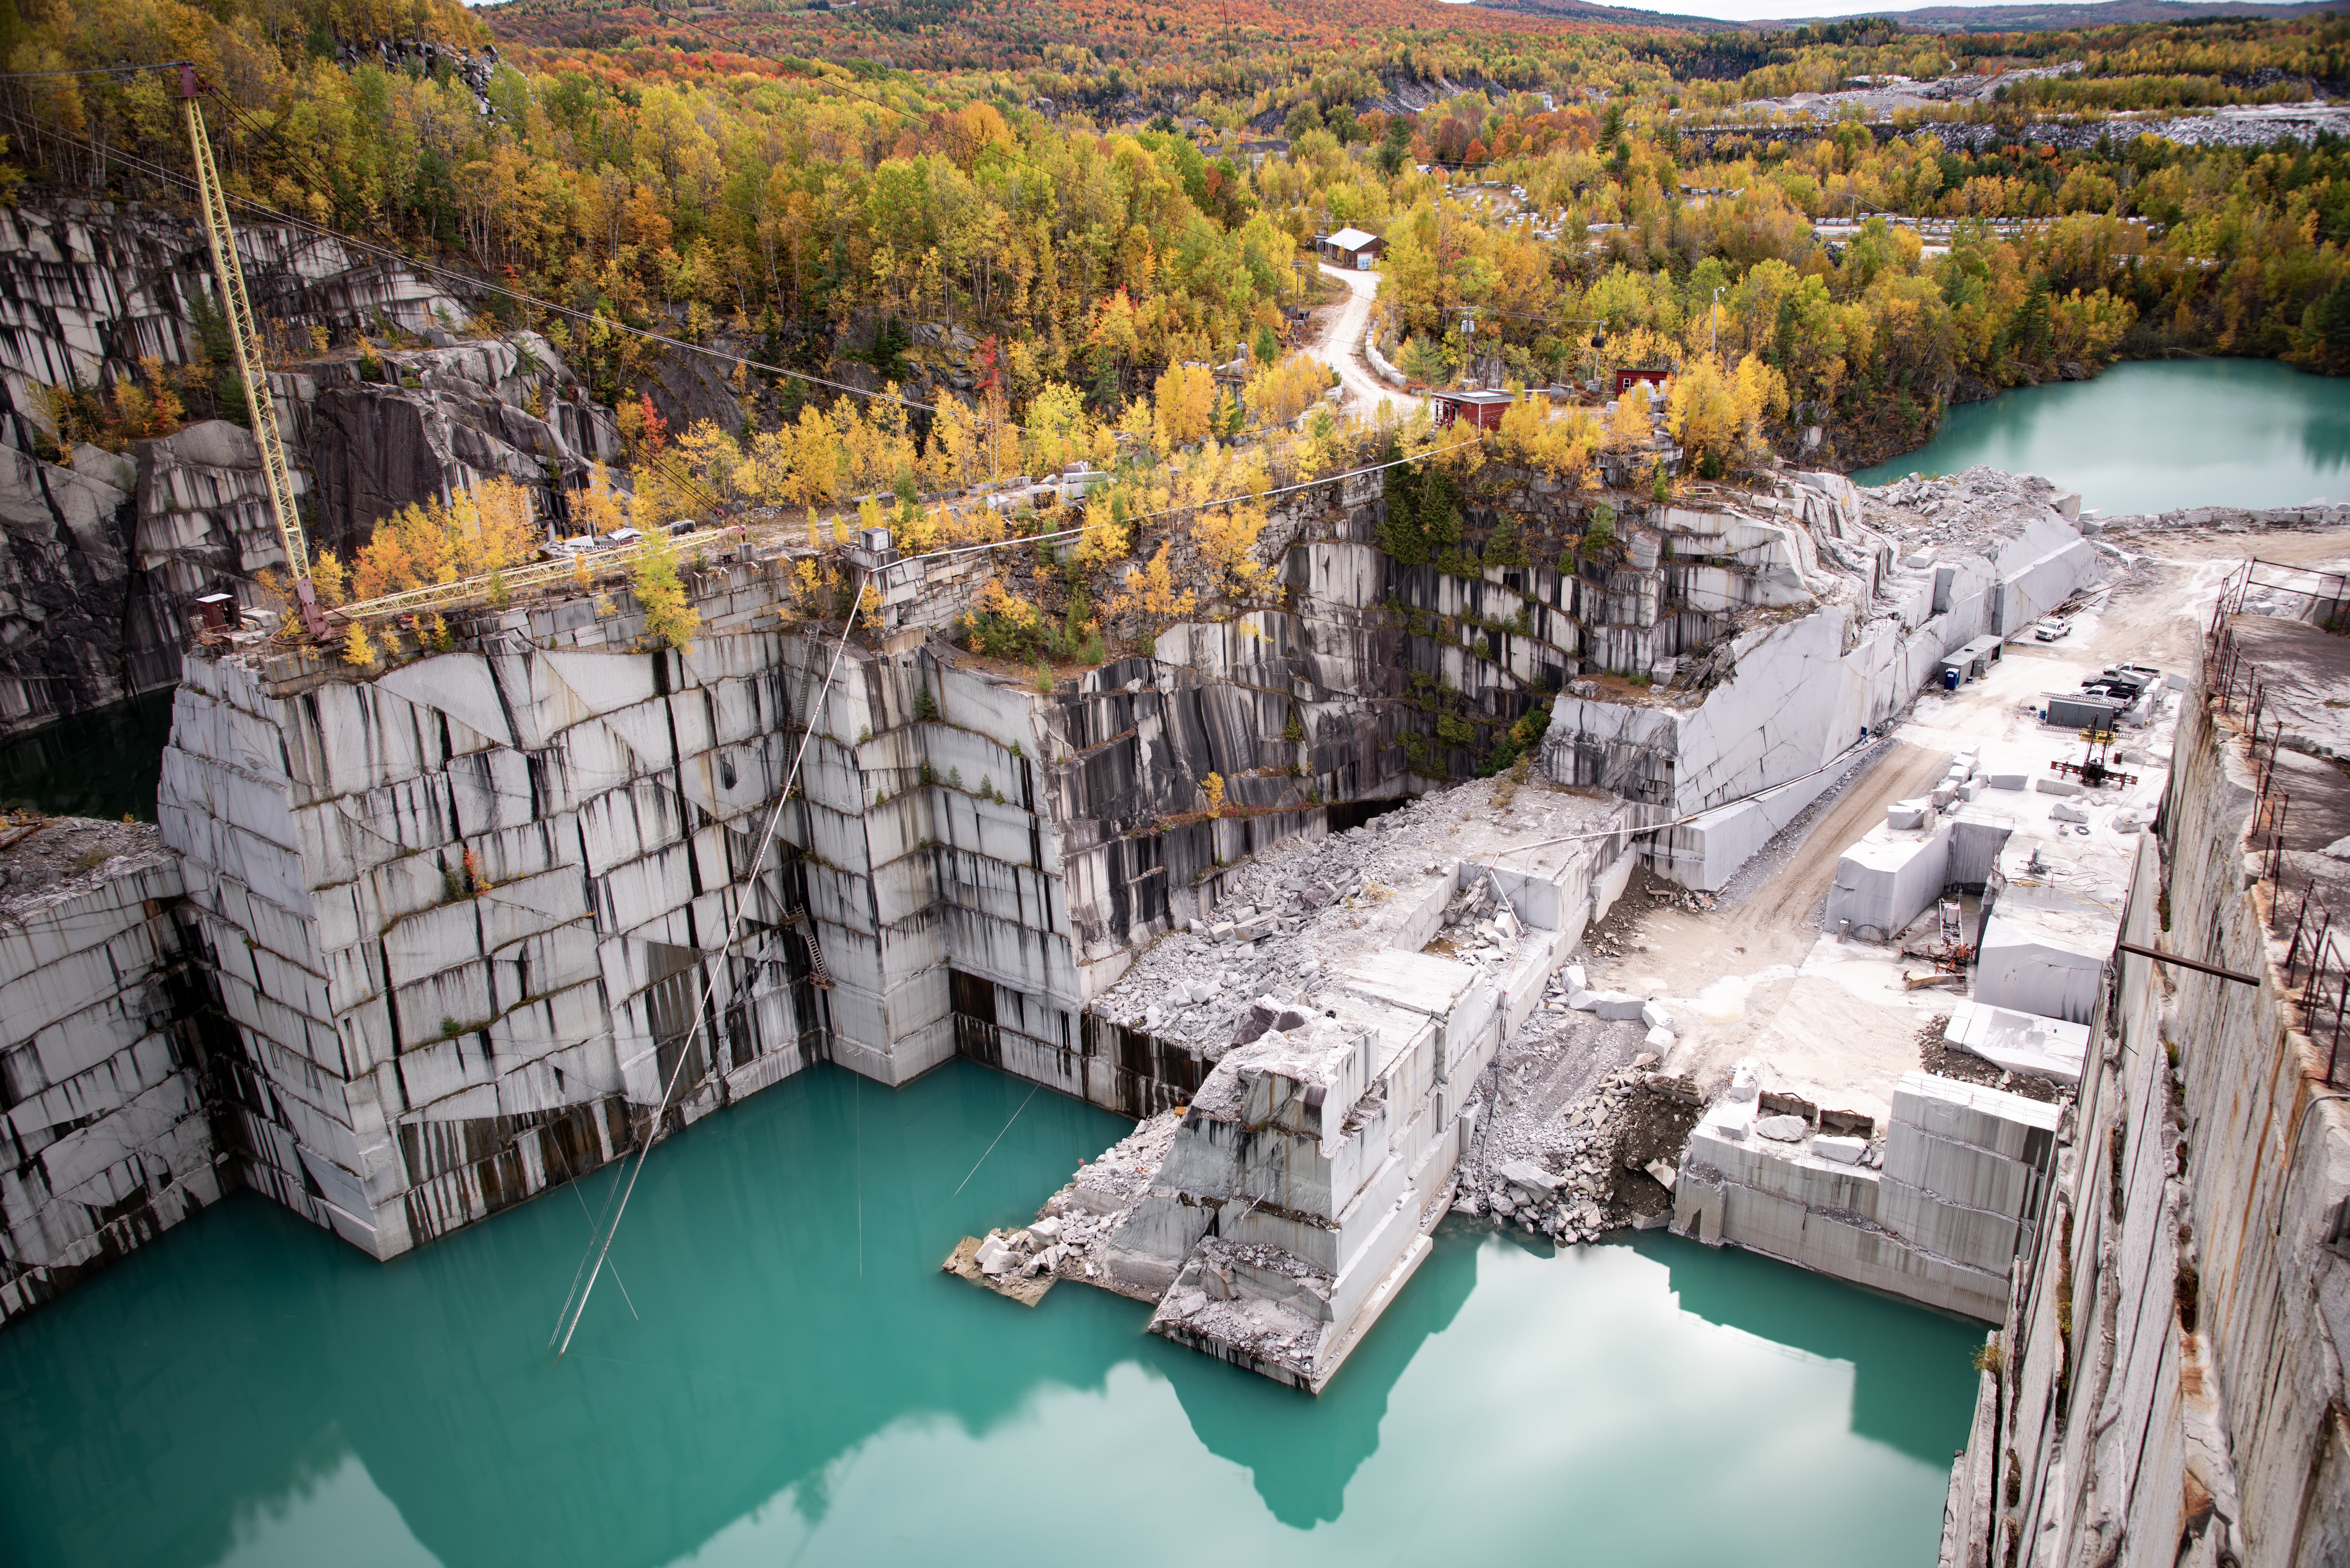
1782,1304
1301,1452
2157,434
100,764
804,1379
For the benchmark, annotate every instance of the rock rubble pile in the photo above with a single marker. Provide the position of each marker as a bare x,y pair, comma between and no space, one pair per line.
1976,506
1299,909
1573,1104
1066,1236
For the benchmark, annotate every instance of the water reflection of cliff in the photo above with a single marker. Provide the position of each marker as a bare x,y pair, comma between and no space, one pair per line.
1301,1450
783,1259
1835,1321
196,1380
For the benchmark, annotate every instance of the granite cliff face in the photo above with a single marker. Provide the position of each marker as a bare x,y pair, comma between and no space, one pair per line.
106,549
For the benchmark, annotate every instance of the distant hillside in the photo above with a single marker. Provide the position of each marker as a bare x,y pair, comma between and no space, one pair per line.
2031,16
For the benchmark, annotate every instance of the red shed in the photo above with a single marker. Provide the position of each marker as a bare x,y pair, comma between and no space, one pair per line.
1656,375
1482,410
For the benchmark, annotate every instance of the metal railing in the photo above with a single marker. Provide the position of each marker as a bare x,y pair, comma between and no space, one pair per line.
2317,966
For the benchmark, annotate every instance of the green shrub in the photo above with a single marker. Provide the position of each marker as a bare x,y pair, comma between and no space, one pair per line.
1599,529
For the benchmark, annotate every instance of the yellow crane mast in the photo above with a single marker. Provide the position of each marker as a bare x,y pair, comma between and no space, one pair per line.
250,364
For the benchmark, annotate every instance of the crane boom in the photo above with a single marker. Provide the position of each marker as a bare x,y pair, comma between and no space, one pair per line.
250,364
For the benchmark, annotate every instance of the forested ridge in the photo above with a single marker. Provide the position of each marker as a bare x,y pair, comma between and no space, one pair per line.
1096,189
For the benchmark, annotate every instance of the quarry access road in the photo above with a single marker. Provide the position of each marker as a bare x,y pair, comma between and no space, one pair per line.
1340,345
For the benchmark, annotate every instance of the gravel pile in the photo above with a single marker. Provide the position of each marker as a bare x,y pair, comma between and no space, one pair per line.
56,858
1296,911
1068,1231
1968,508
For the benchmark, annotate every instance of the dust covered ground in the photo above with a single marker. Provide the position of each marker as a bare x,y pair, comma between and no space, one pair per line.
1751,973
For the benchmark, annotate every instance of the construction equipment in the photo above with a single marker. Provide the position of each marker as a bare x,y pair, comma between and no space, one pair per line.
2096,767
238,306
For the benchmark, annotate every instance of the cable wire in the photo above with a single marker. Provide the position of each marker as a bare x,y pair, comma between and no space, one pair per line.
275,215
701,1004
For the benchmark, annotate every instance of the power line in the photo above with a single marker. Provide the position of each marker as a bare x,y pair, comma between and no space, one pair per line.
115,71
710,982
592,318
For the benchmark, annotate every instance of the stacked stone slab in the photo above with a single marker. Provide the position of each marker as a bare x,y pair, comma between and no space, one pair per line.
1318,1153
101,1099
1761,708
462,913
1964,1179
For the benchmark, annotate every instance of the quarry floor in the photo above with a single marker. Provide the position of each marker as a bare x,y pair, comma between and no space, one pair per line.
1757,975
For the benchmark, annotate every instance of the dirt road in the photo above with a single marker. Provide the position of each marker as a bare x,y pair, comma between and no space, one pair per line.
1340,345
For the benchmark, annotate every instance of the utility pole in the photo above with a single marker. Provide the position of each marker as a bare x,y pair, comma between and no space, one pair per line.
1598,336
250,364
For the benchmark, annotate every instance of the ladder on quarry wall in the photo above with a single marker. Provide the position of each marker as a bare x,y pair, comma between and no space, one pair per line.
250,364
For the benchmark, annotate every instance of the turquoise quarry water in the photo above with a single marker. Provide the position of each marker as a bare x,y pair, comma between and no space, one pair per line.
789,1379
2150,436
100,764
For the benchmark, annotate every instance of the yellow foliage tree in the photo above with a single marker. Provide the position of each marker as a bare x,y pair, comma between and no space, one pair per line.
1276,394
1057,432
597,506
1628,422
816,460
485,530
710,455
332,577
1719,415
358,647
670,620
1226,539
947,462
1184,405
1150,596
1559,442
1760,392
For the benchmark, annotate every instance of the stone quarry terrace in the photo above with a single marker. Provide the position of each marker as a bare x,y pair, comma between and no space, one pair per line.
459,913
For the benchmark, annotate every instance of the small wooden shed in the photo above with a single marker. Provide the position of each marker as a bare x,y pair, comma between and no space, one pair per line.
1480,409
1352,248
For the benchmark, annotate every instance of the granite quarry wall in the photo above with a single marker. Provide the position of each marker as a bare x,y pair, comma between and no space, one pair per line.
452,914
1780,630
2171,1388
105,548
103,1112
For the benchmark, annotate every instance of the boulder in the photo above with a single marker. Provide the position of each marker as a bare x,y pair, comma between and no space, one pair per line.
1525,1174
1786,1129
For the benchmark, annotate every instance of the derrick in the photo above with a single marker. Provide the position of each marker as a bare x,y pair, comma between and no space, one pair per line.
229,275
